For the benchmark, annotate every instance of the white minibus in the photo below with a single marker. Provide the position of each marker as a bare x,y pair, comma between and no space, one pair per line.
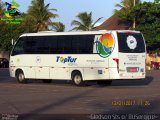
101,56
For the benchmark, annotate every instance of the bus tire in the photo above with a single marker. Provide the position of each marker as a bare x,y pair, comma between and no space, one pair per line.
104,82
47,81
77,79
20,76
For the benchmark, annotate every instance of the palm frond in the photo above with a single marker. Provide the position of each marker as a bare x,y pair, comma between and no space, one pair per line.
75,22
41,14
74,29
119,5
84,22
93,25
58,26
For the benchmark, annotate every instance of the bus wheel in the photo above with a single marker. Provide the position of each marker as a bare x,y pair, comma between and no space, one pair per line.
47,81
20,77
104,82
77,79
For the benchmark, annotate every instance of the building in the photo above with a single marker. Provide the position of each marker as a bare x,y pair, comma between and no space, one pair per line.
114,23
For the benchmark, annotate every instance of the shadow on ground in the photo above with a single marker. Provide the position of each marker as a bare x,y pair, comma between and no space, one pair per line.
148,80
4,77
37,114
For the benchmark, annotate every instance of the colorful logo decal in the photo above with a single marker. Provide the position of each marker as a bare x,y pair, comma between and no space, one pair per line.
105,45
131,42
11,15
12,9
68,59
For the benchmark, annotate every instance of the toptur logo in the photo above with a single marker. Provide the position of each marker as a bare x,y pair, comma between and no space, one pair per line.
68,59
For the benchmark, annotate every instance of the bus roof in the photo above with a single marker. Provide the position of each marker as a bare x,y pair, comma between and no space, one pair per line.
49,33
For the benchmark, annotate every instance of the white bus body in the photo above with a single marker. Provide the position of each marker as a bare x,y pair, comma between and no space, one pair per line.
95,55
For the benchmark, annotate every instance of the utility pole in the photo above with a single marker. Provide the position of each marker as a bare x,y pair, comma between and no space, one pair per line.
134,21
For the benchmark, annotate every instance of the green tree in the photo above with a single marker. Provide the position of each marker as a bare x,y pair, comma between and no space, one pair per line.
2,7
39,16
9,32
58,27
157,1
84,22
127,4
147,17
1,13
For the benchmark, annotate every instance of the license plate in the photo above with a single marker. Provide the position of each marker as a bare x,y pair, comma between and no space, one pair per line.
131,69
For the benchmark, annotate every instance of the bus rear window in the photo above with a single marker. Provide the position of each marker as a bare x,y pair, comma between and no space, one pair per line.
131,42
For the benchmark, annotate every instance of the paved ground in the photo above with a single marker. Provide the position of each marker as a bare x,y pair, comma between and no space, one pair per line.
132,97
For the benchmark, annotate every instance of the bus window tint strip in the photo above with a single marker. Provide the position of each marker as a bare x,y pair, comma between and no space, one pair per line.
69,44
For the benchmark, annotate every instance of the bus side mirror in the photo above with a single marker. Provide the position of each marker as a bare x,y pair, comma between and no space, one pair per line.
12,42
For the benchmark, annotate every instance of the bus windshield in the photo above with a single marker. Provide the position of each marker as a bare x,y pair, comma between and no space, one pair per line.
131,42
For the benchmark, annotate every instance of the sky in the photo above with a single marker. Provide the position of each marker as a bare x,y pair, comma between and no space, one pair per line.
68,9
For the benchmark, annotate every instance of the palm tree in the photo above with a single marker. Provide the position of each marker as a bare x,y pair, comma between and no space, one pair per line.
84,22
127,4
2,7
157,1
40,15
58,26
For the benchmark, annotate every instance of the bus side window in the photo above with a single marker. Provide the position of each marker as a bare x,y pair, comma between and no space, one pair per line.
83,44
29,45
19,47
64,44
52,41
75,45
